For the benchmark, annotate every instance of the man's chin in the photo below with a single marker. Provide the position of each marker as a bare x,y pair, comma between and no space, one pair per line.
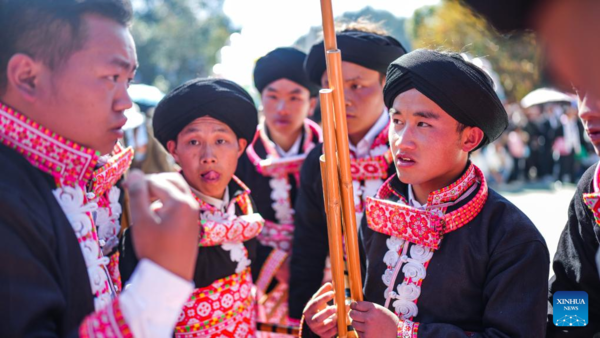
106,148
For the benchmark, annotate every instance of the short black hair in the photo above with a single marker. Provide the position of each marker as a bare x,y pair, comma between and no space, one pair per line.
51,30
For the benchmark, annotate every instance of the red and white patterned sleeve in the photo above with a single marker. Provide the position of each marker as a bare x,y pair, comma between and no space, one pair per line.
148,307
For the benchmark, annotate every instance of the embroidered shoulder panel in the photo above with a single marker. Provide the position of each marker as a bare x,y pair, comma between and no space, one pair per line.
46,150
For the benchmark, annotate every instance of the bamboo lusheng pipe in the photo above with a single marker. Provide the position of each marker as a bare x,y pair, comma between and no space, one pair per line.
336,83
331,193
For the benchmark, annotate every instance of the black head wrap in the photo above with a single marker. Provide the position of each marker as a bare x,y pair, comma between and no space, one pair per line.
369,50
506,15
282,63
220,99
460,88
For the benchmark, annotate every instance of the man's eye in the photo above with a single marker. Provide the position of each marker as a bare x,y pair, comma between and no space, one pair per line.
194,142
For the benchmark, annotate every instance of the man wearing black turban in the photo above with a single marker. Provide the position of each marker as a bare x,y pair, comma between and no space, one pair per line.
205,124
365,57
271,167
444,255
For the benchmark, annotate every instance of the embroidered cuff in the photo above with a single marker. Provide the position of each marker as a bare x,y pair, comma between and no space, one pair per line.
407,329
153,299
108,322
269,269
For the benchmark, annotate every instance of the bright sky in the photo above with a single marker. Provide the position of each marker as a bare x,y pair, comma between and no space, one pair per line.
268,24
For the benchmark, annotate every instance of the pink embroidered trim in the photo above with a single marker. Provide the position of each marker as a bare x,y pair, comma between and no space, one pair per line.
217,228
223,308
275,166
45,149
371,168
278,236
422,226
592,200
407,329
221,230
454,190
108,322
115,273
269,269
107,176
402,221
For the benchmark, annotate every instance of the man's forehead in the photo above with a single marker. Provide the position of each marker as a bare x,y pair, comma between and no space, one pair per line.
207,123
110,40
285,86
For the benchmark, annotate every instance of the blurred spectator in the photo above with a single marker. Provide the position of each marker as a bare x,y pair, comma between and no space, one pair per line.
149,156
568,144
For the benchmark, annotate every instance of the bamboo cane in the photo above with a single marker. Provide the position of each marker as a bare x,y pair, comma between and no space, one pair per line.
331,193
336,83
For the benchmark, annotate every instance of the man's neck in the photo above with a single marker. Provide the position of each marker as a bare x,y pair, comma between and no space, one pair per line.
422,191
285,142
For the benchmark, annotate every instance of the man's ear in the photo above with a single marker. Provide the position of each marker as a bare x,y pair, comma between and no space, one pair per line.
23,75
313,104
242,143
172,149
471,138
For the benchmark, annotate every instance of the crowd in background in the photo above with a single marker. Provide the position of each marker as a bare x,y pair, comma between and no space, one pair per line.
543,143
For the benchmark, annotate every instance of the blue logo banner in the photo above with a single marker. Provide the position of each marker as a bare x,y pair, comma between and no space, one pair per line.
570,308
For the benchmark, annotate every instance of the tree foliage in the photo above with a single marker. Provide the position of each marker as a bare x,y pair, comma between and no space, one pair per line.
451,26
178,40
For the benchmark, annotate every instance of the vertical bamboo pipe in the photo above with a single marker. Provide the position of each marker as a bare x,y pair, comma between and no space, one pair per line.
334,69
329,39
331,192
336,83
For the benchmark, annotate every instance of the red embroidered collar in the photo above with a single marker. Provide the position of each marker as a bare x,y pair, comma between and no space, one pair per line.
424,227
592,199
68,162
275,165
44,149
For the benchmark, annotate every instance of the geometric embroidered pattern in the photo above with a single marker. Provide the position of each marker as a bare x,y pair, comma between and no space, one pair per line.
423,226
217,227
592,200
222,309
46,150
106,323
407,329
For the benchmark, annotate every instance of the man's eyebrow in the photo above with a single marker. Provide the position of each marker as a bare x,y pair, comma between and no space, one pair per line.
190,130
427,115
423,114
119,62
